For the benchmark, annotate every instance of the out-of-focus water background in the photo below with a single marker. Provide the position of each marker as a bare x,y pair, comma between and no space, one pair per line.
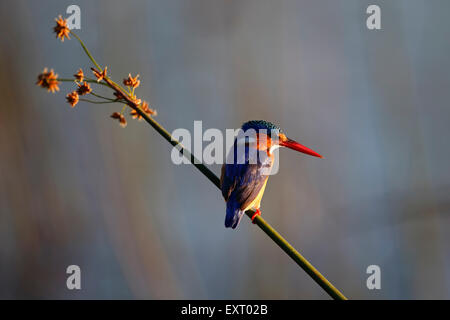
75,188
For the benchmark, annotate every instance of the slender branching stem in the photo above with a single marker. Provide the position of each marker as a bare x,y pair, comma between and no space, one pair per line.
258,220
102,97
86,79
97,102
86,50
129,99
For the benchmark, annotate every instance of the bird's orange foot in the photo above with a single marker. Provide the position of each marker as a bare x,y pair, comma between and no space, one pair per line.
257,213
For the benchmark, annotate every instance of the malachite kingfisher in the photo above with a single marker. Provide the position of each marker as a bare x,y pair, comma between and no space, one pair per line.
244,177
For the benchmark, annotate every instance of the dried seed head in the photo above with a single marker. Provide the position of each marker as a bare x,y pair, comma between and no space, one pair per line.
61,29
132,82
147,110
134,114
144,106
99,75
72,98
84,88
48,80
79,75
121,118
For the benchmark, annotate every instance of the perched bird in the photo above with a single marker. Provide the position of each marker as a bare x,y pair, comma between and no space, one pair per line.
245,173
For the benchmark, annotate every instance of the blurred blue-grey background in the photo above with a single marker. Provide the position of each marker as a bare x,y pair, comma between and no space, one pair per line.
75,188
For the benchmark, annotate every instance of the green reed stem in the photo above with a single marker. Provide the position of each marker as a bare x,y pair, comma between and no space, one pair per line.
86,51
258,220
87,80
106,98
97,102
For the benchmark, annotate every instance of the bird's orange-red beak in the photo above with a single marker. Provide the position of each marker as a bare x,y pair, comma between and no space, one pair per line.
294,145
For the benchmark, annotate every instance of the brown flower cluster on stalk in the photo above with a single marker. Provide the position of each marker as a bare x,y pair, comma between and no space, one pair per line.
79,76
145,108
99,75
132,82
48,80
61,29
72,98
121,118
126,96
83,88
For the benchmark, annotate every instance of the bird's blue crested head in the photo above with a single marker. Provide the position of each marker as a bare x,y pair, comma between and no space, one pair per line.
281,141
260,125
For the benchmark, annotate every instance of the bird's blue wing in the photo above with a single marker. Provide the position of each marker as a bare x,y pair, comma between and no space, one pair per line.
241,184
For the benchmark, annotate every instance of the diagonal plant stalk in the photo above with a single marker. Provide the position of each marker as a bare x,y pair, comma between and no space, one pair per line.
129,99
86,79
259,221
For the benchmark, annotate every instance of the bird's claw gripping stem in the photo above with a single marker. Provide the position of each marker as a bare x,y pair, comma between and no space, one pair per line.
257,213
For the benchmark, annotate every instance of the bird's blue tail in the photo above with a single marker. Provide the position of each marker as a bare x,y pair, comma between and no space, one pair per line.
234,214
